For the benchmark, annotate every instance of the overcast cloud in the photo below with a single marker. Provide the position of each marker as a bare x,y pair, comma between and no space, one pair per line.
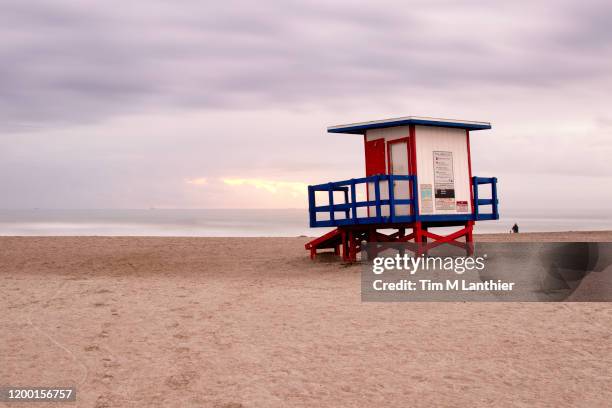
124,104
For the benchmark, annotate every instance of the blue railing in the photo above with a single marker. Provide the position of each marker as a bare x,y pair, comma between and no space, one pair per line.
384,210
350,205
493,201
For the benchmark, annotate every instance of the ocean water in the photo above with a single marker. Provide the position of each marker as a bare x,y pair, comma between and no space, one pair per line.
227,223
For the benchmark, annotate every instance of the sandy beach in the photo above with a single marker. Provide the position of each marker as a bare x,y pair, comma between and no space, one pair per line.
222,322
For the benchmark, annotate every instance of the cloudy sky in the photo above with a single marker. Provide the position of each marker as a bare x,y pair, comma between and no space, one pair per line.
196,104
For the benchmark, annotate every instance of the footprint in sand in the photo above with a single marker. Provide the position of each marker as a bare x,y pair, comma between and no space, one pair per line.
101,291
109,363
181,380
103,401
107,378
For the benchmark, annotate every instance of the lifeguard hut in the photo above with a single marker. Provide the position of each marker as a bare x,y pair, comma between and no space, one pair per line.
418,176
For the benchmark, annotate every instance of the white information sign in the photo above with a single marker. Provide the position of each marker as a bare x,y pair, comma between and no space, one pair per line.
444,180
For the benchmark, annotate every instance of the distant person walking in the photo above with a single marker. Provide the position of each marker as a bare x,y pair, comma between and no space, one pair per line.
515,229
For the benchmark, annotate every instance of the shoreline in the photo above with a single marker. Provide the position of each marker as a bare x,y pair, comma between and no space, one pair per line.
562,235
554,236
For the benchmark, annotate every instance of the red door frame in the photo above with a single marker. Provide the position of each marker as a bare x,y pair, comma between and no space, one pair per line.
469,160
408,157
469,238
413,156
389,143
365,152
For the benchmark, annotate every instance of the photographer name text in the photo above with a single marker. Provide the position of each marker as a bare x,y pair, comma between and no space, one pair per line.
448,285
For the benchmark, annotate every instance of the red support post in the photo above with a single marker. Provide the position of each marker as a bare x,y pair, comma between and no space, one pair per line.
418,237
345,248
352,255
469,238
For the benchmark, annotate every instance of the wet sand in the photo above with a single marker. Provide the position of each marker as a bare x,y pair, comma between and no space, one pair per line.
247,322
